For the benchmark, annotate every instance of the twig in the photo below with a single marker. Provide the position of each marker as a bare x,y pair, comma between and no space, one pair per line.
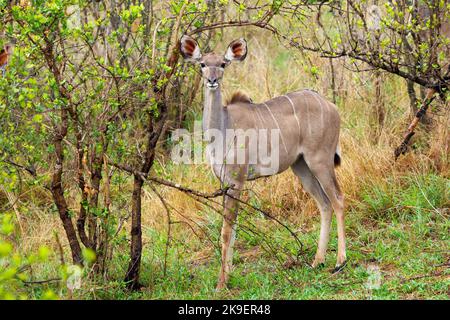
13,204
428,275
41,281
60,249
403,147
144,177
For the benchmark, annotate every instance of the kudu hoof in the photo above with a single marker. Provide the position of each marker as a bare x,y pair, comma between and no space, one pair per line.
318,266
221,286
339,267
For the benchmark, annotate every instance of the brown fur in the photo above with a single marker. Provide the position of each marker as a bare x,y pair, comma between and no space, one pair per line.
239,96
4,55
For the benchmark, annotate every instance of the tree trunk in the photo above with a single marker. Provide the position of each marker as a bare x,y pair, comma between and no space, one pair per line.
333,81
425,119
132,276
58,192
413,102
96,178
412,98
61,132
378,110
380,113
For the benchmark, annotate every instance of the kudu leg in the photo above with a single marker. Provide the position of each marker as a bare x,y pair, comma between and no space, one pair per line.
228,235
312,186
325,174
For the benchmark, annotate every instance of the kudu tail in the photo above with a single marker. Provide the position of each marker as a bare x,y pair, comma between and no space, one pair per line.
337,157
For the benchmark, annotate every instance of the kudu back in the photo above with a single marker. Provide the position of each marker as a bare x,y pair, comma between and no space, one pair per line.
306,130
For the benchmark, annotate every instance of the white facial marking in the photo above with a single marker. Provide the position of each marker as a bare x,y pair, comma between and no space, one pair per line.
212,85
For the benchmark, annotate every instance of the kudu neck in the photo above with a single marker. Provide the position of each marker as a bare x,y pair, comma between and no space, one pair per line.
213,111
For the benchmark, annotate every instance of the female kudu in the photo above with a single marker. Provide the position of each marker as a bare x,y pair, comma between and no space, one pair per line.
308,127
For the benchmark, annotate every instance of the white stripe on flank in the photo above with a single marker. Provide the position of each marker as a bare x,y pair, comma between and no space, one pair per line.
318,98
307,109
259,116
254,118
295,113
276,122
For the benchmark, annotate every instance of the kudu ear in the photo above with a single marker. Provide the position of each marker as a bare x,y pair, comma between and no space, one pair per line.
4,54
189,49
237,50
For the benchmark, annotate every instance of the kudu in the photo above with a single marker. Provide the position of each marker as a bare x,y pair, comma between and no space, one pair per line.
5,53
308,127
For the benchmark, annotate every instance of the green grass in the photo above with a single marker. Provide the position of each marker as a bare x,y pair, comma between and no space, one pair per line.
399,229
402,231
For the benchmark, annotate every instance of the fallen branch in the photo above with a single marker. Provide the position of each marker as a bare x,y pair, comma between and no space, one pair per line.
41,281
428,275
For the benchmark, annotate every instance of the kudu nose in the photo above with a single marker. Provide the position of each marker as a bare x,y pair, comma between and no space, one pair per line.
212,83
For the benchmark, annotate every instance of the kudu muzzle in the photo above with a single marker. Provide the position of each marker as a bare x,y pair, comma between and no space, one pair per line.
212,77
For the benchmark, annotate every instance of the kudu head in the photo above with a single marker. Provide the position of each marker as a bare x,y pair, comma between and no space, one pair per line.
212,65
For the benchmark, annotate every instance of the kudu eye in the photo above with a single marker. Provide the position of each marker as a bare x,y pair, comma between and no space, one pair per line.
223,65
202,65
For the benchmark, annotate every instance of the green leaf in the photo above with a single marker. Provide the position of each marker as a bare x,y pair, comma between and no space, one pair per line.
49,295
38,118
5,248
89,255
43,253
